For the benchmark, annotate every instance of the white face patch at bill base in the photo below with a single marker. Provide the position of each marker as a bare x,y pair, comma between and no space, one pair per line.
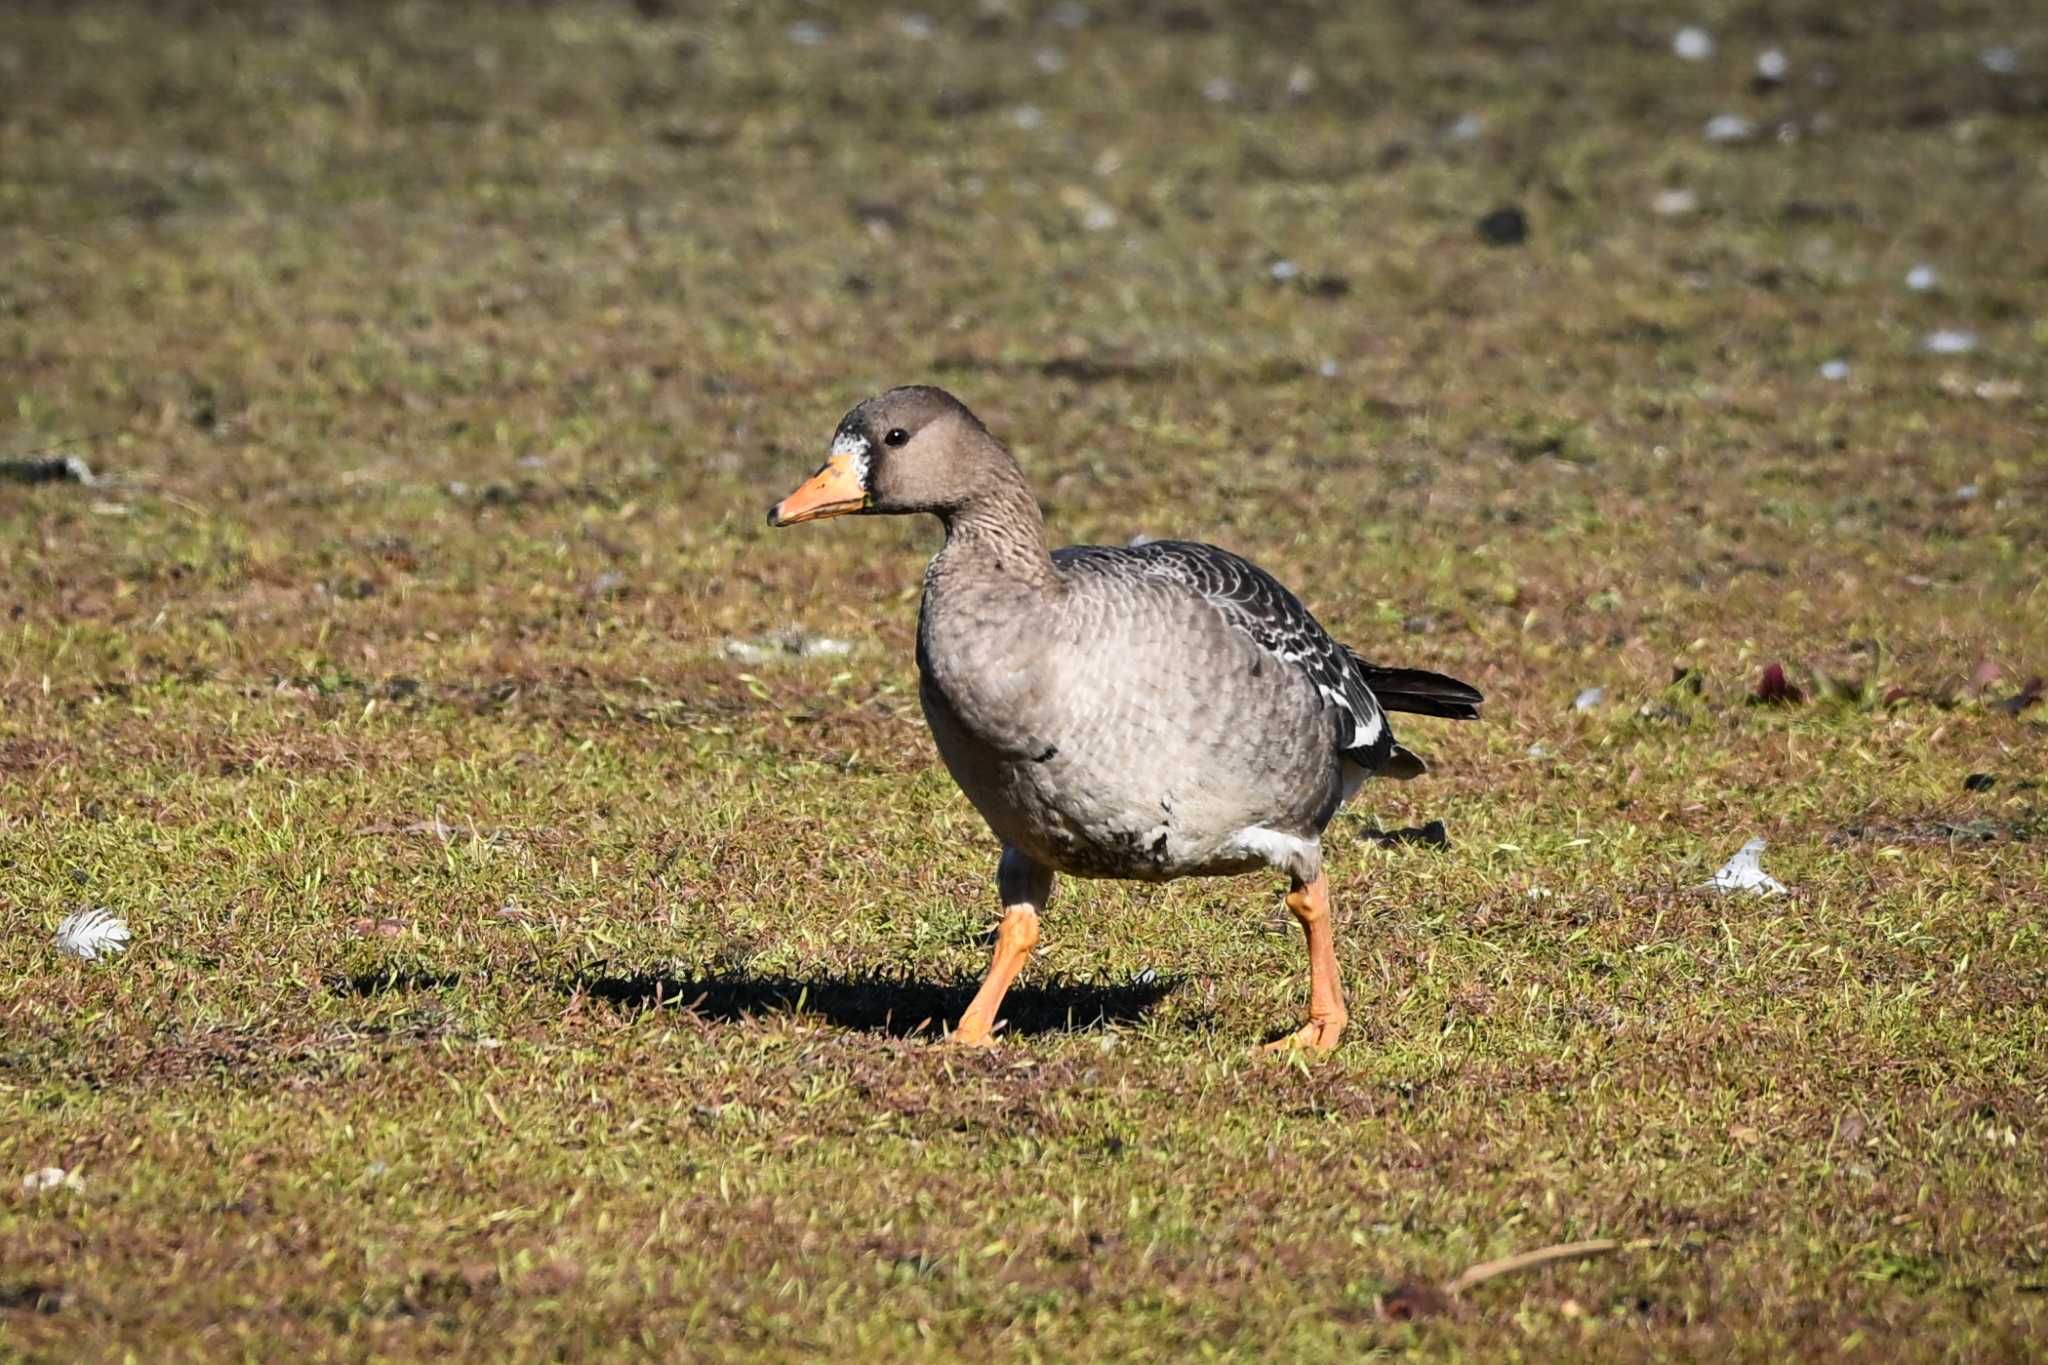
854,447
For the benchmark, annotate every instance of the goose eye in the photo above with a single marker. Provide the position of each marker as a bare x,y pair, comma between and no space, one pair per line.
896,437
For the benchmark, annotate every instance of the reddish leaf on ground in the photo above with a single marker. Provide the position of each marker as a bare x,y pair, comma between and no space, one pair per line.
1774,689
1414,1301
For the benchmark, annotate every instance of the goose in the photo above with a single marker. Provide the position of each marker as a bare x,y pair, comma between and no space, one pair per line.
1144,712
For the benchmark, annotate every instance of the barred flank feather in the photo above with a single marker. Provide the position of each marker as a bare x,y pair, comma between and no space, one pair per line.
1254,602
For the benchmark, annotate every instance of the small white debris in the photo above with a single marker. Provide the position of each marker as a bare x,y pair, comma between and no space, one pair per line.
1539,750
806,33
1969,492
916,27
1692,44
1327,367
1095,214
1050,60
93,934
1539,893
1028,117
1589,699
1674,203
51,1178
457,488
1468,128
1922,278
1727,128
787,643
1219,90
1835,370
1771,65
1949,341
1999,61
1745,872
1284,270
1148,976
1990,390
1301,82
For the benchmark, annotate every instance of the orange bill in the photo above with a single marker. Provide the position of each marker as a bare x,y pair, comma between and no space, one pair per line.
839,487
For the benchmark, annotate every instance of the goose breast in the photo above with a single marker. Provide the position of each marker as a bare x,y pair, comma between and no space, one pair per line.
1125,727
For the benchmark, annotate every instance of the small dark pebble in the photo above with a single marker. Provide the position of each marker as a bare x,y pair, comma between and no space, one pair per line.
878,213
1979,782
32,1296
1505,226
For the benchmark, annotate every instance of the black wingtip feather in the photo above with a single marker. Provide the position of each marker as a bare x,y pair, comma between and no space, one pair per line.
1420,692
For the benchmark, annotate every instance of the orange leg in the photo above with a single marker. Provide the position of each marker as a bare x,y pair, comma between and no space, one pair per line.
1025,887
1310,902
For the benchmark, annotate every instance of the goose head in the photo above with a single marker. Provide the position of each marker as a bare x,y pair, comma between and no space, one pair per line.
915,449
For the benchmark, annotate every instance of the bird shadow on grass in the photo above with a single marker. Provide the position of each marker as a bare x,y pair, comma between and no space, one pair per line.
900,1007
393,980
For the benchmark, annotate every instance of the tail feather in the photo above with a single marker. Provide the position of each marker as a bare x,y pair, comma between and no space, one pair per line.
1419,691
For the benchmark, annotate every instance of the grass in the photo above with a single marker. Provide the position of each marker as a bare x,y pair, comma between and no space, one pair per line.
518,975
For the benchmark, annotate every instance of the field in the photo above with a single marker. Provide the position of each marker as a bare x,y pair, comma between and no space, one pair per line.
546,899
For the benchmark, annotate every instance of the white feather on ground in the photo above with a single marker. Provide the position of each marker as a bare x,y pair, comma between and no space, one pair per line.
93,934
51,1178
1745,872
